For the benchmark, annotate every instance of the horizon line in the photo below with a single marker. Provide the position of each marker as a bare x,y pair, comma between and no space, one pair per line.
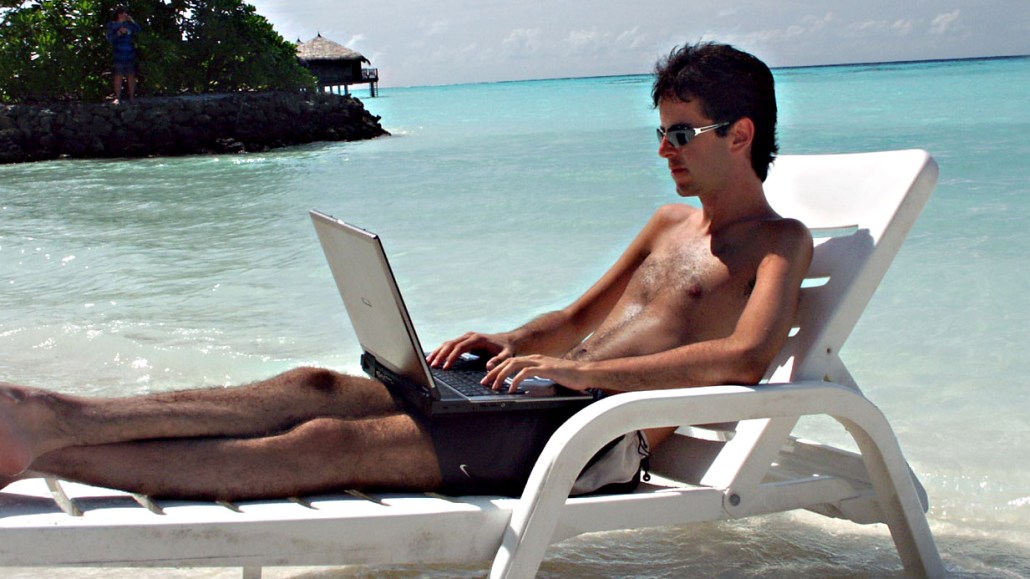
774,68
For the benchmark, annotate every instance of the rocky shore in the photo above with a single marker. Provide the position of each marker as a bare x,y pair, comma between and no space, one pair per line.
221,123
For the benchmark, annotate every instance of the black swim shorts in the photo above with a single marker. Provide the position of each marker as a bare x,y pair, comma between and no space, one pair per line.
491,452
494,453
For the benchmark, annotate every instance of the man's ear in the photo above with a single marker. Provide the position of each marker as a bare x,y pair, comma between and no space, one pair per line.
742,133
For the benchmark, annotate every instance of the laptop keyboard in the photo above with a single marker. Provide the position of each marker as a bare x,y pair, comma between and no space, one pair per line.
465,381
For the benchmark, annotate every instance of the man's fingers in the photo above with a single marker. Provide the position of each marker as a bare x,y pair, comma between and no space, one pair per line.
448,353
445,351
516,380
504,354
518,368
495,377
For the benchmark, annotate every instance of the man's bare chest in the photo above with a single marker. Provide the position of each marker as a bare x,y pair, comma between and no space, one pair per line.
687,276
680,293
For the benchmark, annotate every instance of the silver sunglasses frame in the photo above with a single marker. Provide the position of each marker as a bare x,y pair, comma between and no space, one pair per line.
689,132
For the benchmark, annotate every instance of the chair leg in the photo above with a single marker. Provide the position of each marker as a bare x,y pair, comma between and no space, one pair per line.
899,501
252,572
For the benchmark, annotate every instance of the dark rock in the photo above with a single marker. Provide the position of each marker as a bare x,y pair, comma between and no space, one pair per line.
24,123
101,127
193,124
12,135
230,146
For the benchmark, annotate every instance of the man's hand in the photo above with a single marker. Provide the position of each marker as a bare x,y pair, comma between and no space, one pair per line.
499,346
568,373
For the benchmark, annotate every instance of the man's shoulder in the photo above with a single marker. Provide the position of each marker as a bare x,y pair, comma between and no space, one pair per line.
786,226
675,212
790,228
787,237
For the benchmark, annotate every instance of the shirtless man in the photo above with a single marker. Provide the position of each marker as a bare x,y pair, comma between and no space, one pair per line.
701,296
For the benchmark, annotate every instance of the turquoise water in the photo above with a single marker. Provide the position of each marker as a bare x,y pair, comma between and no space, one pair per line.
499,201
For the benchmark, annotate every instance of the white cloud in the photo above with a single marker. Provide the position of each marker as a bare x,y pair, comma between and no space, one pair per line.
594,42
522,42
863,26
902,27
819,23
632,39
767,36
588,41
435,28
807,28
944,22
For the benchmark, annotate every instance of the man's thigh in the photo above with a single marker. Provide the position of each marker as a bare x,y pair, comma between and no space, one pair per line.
392,452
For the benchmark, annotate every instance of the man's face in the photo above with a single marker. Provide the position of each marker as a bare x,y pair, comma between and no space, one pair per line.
690,165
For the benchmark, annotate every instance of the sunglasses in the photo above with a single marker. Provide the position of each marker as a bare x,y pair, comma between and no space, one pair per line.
680,135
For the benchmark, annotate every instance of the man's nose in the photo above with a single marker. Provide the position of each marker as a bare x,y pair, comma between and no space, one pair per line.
665,148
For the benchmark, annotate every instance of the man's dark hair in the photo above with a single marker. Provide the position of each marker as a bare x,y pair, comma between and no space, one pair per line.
119,10
730,84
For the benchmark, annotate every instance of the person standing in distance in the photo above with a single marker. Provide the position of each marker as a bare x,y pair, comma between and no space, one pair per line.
120,33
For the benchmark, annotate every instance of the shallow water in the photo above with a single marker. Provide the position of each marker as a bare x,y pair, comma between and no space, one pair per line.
500,201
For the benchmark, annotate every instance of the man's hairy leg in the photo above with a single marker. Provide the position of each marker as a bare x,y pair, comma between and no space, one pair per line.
34,422
320,455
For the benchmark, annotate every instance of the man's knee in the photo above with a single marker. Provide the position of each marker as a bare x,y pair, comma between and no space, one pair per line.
389,452
339,394
326,429
361,439
320,380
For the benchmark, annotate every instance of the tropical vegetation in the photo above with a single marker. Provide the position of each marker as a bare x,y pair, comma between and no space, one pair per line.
56,49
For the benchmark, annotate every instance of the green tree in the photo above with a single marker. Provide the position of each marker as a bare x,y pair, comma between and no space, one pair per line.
229,46
56,49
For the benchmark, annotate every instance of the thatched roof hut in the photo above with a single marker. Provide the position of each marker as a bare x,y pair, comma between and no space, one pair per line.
320,49
335,65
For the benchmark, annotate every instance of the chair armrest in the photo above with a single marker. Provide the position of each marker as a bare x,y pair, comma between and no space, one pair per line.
588,430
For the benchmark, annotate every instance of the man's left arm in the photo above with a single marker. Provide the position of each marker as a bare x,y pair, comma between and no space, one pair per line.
740,358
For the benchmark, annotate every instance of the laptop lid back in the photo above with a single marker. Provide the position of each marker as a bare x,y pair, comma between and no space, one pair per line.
373,301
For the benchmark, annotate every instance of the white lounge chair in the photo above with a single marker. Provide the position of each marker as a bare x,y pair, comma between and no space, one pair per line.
860,206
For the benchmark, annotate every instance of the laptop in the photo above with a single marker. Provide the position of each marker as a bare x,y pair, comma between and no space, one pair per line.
392,352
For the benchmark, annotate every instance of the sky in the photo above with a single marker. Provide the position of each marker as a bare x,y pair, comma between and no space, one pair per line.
415,43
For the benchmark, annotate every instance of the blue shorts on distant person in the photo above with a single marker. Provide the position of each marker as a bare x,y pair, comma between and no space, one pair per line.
124,67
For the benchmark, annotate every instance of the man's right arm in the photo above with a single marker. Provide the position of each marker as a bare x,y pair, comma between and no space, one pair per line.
545,334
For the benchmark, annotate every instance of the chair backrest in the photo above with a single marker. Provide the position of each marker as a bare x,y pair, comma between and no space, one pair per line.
860,207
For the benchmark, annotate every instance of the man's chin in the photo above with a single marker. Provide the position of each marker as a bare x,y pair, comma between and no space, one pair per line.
685,192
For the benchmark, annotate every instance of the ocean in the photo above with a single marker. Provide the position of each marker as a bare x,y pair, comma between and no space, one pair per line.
500,201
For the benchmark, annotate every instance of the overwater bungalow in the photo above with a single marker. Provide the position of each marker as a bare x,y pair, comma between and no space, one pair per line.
335,66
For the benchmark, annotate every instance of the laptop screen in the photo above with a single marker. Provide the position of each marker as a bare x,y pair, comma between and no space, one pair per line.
373,301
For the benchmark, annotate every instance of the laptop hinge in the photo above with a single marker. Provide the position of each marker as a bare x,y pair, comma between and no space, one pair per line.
370,365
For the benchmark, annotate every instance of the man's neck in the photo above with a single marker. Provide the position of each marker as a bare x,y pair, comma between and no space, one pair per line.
742,202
